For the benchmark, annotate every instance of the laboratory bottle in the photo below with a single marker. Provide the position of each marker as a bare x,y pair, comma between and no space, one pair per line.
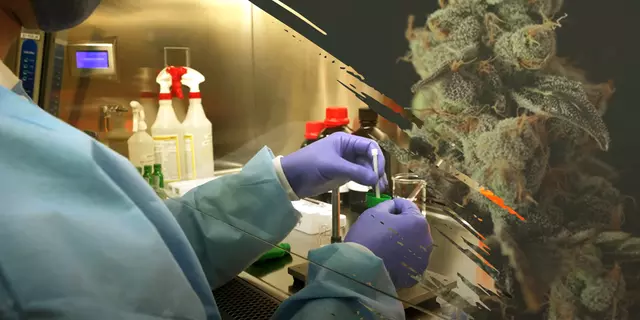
156,177
141,145
147,175
198,136
312,132
357,197
167,131
336,120
149,102
368,120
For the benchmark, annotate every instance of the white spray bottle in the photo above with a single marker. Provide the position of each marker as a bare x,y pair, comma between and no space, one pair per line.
198,139
141,144
167,131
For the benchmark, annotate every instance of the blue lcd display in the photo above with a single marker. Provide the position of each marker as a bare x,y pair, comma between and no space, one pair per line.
92,59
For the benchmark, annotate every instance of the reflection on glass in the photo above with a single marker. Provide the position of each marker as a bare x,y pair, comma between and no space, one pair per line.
501,107
353,270
324,237
410,186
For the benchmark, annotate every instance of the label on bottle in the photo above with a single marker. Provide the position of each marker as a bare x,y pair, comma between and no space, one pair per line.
208,139
147,159
168,155
190,159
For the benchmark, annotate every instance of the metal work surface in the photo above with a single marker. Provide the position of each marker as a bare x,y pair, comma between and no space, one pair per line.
416,295
445,263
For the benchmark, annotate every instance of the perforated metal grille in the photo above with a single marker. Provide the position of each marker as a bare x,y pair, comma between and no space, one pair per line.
238,300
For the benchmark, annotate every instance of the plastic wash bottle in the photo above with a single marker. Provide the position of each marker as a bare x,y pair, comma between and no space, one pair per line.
167,131
198,138
141,144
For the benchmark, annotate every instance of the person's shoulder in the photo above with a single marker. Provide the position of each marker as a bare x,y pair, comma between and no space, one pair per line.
32,133
18,113
33,140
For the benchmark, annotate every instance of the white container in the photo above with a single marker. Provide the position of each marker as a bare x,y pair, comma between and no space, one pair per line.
315,217
141,144
168,139
198,137
354,186
180,188
198,142
343,188
167,133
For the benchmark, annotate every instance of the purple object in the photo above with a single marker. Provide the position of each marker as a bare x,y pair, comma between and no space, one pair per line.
399,234
92,59
331,162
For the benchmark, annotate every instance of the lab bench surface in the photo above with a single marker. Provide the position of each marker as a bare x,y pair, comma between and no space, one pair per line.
287,275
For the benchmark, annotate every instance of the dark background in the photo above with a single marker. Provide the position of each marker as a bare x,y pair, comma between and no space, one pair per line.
601,37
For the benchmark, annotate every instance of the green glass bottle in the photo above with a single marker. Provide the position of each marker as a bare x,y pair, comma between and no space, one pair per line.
157,179
147,174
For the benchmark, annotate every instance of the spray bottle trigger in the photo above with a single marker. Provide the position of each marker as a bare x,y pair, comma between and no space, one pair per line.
176,80
138,116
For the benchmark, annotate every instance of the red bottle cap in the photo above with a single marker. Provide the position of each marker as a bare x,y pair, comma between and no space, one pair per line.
336,117
313,129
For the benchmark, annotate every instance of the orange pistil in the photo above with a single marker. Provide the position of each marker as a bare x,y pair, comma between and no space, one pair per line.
497,200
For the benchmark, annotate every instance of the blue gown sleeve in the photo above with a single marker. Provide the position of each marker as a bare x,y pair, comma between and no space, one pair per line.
340,285
231,221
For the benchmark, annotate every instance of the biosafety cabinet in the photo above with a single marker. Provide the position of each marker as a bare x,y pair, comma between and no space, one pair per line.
38,59
264,81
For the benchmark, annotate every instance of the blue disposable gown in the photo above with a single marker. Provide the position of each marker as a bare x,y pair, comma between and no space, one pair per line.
83,236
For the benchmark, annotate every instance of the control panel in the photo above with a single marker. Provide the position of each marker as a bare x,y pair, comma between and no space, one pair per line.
93,59
29,58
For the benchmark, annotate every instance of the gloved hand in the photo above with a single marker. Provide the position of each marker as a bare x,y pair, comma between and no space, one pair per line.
399,234
332,162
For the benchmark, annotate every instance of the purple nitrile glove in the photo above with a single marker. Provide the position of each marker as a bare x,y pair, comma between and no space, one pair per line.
331,162
399,234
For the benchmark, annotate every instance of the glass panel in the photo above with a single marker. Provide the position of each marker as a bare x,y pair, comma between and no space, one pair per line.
348,272
501,146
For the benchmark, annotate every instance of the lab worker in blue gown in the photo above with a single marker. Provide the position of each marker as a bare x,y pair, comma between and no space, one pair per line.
83,236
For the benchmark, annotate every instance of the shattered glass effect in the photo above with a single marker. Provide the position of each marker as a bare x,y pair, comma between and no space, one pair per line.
497,104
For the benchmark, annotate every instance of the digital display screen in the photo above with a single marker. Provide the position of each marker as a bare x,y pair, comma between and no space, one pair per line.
92,59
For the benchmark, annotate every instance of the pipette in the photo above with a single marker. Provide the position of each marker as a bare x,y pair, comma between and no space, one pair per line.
374,153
